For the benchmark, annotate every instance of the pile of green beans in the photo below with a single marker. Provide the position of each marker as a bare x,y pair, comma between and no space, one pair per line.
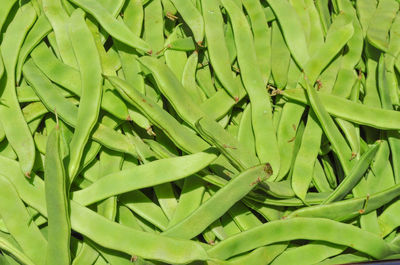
203,132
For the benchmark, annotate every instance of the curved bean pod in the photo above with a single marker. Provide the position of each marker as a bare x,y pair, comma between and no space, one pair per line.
119,237
4,10
280,57
217,50
316,32
378,29
68,112
388,219
262,36
115,236
143,206
261,110
294,34
310,254
180,135
184,44
173,90
289,121
240,155
58,18
133,16
365,11
303,167
354,176
115,28
189,78
351,111
69,78
189,199
60,73
192,17
86,255
320,179
41,28
245,133
89,106
260,256
219,203
49,94
146,176
332,132
17,220
8,247
303,228
347,209
15,127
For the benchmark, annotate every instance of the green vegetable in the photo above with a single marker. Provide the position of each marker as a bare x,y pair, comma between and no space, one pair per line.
199,131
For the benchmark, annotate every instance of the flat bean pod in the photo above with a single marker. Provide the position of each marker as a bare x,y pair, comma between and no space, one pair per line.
17,220
199,131
354,175
67,111
59,227
16,129
347,209
217,49
264,132
115,27
227,144
380,24
5,9
192,17
85,221
209,211
84,48
294,34
58,18
311,253
5,245
303,228
35,35
146,176
351,111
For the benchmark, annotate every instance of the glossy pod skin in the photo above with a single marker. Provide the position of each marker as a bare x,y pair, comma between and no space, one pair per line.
237,188
16,129
17,221
264,131
219,132
103,188
83,221
91,79
297,228
354,112
56,202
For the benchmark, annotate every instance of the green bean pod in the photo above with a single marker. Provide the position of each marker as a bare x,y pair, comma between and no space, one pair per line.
59,227
218,204
264,131
85,51
15,127
303,228
109,186
115,28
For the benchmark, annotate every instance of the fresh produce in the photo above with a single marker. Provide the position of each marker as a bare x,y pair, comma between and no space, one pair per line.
199,132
